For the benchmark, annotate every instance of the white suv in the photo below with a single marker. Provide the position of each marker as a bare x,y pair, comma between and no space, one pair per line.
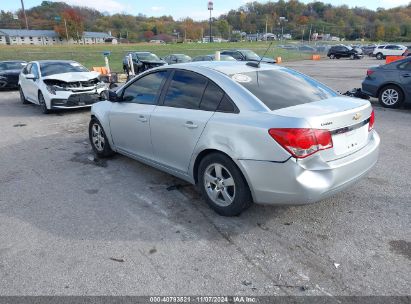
381,51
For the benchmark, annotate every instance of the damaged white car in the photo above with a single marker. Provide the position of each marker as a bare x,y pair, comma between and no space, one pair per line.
59,84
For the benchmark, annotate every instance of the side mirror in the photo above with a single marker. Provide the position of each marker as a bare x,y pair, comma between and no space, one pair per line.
31,76
110,96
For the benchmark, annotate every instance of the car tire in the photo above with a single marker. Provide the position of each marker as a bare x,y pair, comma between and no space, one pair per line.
222,185
379,56
42,103
22,97
98,139
332,56
337,57
391,96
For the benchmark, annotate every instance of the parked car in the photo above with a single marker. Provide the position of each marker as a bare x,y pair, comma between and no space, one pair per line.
306,48
381,51
239,135
246,55
212,58
344,51
390,83
59,84
177,58
288,47
368,49
9,73
142,61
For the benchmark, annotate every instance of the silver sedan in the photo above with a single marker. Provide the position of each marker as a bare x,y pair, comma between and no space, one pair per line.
243,132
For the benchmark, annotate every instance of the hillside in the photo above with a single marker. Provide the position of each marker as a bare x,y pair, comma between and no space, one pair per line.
349,23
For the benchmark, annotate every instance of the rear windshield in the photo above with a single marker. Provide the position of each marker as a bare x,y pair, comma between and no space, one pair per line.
51,68
283,87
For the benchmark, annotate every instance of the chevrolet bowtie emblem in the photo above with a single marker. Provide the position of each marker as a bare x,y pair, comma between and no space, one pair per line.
357,116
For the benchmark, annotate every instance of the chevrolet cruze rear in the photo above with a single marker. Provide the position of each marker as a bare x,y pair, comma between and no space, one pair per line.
243,133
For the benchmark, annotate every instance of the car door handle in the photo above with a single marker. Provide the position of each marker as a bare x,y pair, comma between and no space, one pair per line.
142,118
190,125
406,75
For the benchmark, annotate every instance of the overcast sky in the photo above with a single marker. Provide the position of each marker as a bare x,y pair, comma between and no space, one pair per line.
195,9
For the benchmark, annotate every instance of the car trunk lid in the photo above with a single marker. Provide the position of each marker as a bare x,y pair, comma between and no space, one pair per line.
346,118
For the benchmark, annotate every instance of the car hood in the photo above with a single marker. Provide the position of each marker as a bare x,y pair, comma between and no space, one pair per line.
74,76
10,72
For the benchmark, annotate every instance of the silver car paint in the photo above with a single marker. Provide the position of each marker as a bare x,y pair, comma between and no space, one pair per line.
273,175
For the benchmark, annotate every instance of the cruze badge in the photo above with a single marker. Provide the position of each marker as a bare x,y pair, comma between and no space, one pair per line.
356,116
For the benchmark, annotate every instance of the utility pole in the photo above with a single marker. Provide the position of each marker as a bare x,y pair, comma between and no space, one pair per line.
210,8
65,26
309,37
24,14
266,28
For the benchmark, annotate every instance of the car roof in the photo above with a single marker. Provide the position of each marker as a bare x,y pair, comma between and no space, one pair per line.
12,61
226,67
54,61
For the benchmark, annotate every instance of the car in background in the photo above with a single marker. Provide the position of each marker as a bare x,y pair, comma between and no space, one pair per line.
382,51
142,61
390,83
288,47
306,48
177,58
242,132
368,49
9,73
246,55
344,51
59,84
212,58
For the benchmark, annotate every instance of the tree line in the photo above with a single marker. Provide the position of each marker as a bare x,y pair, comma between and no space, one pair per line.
294,17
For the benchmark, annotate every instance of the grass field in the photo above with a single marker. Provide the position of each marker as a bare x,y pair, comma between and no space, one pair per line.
92,55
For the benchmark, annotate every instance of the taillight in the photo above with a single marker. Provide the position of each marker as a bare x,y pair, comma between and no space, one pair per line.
370,72
372,121
302,142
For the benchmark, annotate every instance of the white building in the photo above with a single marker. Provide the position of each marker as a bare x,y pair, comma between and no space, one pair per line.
47,37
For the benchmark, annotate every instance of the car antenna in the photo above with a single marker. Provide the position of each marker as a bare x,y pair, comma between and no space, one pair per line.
257,64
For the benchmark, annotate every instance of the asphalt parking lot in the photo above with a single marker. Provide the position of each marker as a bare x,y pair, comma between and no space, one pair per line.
71,224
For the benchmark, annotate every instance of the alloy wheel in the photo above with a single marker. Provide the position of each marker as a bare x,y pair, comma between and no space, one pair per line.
97,137
390,97
219,184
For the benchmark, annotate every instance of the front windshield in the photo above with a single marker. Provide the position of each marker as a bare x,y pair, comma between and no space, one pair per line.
147,57
51,68
250,55
4,66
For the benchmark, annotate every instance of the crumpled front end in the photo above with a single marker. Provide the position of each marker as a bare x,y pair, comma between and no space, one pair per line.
74,94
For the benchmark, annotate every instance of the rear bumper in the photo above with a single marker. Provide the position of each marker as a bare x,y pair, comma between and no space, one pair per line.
369,87
302,182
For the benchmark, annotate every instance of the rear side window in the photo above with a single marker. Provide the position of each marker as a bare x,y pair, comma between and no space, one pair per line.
282,88
185,90
227,106
211,98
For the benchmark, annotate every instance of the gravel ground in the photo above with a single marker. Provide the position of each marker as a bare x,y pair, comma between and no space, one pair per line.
74,225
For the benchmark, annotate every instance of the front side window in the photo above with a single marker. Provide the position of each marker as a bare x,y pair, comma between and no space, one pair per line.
146,89
185,90
35,70
282,88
